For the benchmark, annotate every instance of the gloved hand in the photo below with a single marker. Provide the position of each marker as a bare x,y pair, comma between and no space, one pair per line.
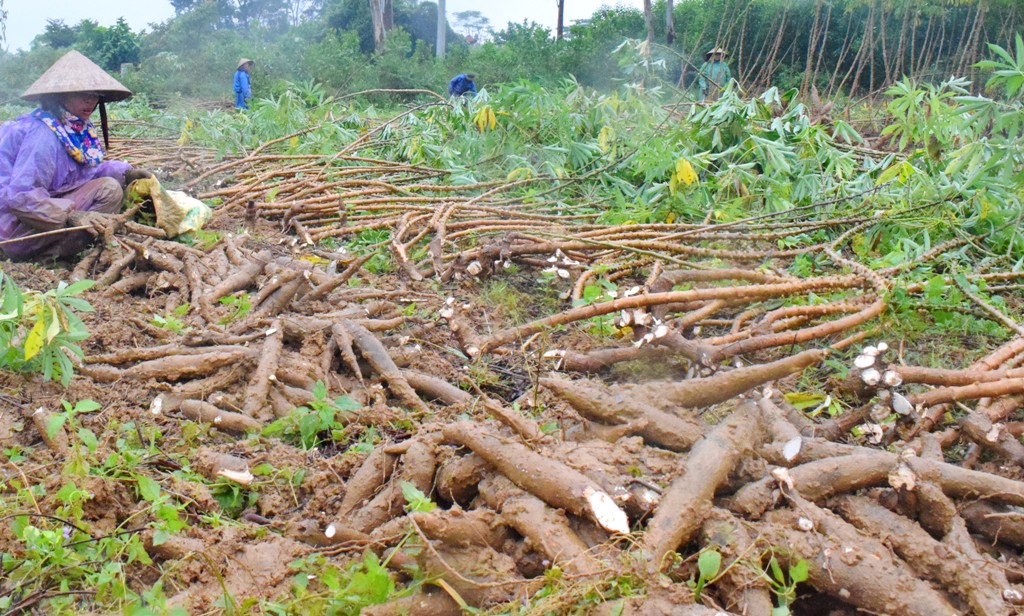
99,223
136,174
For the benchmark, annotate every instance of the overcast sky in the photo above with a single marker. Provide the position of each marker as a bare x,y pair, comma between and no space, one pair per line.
27,18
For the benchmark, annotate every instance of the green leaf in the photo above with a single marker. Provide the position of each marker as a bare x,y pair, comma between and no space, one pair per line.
804,400
320,391
161,536
65,493
416,499
78,304
798,572
309,427
709,563
55,424
777,571
149,489
87,406
34,340
77,287
347,403
88,438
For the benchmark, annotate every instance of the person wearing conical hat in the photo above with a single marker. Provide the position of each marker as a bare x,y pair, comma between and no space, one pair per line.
243,89
713,75
52,169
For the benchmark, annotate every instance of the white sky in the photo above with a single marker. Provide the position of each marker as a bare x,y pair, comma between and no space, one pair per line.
27,18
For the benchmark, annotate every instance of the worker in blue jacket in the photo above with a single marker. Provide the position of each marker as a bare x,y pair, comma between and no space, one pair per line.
243,90
462,84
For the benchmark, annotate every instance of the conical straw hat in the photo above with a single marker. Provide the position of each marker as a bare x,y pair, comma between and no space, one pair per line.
243,62
716,50
72,73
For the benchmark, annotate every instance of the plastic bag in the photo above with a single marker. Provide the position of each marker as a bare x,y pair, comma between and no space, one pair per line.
176,212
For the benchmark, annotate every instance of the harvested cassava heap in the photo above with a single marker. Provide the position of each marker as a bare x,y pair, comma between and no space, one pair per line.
628,452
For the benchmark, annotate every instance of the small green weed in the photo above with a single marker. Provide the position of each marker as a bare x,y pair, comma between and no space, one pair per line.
783,585
172,322
709,564
306,425
241,304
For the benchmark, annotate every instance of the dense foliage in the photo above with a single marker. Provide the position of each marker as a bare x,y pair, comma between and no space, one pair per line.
851,46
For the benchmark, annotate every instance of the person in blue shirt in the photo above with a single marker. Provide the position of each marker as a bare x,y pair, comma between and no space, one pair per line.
243,90
462,84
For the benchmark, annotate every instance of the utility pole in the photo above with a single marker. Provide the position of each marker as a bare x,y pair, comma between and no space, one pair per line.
442,28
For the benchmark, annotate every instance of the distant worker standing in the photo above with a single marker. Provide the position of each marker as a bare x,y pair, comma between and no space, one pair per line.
713,75
243,89
462,84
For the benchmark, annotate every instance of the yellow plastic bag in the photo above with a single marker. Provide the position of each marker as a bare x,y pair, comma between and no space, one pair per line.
176,212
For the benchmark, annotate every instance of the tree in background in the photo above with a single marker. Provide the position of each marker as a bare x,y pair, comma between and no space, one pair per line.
57,34
303,10
109,47
382,14
3,23
471,24
271,14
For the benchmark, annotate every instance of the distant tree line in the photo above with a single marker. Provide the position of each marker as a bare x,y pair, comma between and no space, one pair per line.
851,47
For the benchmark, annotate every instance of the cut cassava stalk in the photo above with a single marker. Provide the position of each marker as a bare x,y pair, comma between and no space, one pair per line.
980,429
229,421
374,472
519,423
459,476
458,528
602,359
945,377
744,590
814,481
997,523
417,468
954,570
129,283
686,502
169,368
704,392
136,355
547,529
489,577
217,466
436,389
597,402
113,273
52,433
341,339
752,292
849,565
242,279
553,482
421,603
377,356
259,385
836,469
974,391
800,336
278,301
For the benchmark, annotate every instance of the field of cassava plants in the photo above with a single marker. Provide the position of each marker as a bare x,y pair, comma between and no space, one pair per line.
545,351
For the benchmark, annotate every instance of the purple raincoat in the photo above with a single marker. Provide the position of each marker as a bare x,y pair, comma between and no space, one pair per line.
35,171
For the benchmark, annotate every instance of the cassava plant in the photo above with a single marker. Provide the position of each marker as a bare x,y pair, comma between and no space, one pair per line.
39,331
